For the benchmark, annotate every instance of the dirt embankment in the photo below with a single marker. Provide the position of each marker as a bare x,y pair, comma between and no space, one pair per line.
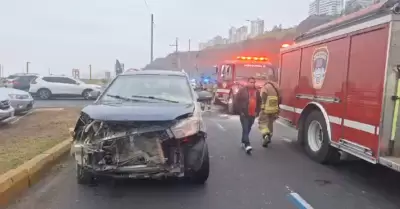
33,134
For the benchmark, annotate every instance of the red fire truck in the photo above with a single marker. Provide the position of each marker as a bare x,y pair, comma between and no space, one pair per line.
232,74
340,87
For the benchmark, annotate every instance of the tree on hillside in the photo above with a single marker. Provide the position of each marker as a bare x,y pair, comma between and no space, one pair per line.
352,6
277,27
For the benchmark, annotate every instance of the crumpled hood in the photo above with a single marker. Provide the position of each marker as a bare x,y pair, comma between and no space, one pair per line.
137,111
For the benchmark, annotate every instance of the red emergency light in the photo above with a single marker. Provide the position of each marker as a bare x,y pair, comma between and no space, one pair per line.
285,45
252,58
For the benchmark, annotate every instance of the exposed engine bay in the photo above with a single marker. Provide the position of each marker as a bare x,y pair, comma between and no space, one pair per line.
127,149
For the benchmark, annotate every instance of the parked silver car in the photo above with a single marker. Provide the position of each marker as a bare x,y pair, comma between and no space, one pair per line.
6,111
20,100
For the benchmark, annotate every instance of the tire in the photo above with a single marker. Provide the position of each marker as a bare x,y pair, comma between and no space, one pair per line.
316,140
44,94
83,177
231,110
86,94
200,176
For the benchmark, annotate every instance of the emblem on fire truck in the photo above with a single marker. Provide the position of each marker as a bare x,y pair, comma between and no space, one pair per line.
319,65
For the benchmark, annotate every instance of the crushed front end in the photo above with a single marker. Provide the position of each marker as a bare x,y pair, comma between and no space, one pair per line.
127,149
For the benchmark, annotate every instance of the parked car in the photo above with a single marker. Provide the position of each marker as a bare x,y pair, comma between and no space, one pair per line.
6,111
46,87
20,100
20,80
3,82
146,124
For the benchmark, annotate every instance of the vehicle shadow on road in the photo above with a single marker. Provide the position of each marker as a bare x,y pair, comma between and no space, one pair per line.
119,188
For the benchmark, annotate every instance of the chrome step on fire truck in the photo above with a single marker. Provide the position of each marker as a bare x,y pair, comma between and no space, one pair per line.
340,87
232,74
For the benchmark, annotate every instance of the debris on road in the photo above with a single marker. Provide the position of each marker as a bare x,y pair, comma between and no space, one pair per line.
34,134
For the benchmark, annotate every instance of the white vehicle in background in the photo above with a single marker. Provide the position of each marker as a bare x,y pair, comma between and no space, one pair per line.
46,87
6,111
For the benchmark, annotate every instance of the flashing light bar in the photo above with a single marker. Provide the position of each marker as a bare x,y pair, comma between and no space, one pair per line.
285,45
252,58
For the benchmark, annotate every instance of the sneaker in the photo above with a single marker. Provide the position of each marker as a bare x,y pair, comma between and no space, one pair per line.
248,149
243,145
266,140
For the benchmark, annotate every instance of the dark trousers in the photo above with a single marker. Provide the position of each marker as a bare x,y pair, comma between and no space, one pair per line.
247,122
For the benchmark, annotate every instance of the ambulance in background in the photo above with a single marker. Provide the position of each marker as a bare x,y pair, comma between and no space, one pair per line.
340,87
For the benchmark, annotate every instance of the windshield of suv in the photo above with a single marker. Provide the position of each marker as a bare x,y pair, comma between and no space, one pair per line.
150,88
258,71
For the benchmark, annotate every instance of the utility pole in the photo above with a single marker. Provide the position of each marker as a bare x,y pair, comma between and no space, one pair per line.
176,53
27,67
90,72
151,38
189,45
49,71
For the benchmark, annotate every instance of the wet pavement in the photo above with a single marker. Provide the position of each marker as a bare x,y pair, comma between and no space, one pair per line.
280,177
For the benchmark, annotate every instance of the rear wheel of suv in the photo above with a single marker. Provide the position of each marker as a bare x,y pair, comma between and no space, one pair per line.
86,94
44,93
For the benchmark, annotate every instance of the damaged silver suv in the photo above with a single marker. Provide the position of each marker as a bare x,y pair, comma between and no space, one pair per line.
145,124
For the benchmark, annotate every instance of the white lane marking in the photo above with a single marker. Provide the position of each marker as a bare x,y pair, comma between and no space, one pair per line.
219,125
20,117
298,201
337,120
286,139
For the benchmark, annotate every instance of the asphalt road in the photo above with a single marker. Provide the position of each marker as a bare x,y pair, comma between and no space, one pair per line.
268,179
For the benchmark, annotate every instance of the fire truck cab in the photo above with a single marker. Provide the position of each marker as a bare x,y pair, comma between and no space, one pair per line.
232,74
340,87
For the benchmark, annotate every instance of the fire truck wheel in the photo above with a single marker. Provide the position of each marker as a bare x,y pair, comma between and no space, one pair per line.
316,141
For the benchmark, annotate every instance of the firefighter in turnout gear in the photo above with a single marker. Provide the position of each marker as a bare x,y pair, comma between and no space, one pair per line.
270,100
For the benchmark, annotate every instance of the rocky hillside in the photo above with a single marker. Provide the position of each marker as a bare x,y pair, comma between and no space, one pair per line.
268,44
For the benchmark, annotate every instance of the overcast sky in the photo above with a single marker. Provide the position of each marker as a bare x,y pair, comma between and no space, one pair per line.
66,34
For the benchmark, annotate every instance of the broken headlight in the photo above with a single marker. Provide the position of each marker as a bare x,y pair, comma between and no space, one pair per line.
188,127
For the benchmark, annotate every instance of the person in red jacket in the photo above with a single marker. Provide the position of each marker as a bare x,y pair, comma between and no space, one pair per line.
247,105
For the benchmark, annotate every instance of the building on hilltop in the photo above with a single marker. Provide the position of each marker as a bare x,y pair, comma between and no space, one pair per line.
325,7
256,28
232,35
241,34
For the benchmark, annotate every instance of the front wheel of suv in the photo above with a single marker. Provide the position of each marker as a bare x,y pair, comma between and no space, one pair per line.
44,94
200,176
83,176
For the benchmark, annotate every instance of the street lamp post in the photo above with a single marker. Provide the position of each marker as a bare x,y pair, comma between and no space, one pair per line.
27,67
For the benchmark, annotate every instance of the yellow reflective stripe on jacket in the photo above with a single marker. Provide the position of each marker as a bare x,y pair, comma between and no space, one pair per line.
271,105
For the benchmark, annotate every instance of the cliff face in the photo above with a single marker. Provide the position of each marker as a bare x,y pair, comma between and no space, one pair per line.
267,45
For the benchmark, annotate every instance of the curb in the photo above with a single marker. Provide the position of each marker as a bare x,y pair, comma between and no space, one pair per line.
20,179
